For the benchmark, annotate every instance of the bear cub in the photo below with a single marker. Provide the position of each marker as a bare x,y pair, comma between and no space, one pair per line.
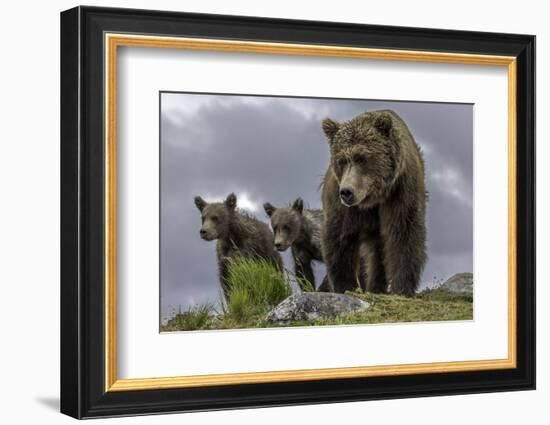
237,234
374,200
299,229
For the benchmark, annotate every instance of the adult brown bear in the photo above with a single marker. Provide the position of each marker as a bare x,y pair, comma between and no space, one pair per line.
374,198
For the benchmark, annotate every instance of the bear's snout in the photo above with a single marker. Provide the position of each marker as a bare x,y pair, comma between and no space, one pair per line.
280,246
347,196
207,235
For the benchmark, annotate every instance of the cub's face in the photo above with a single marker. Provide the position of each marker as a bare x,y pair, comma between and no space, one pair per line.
215,217
286,223
363,158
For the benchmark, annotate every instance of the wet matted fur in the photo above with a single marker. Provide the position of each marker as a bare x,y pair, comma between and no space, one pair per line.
374,200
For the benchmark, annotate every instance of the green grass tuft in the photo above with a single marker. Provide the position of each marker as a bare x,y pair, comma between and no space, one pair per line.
255,286
194,318
304,284
239,304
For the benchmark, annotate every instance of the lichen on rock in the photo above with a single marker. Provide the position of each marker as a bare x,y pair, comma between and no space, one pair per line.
460,282
315,305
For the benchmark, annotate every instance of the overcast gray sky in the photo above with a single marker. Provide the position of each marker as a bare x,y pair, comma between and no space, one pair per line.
273,149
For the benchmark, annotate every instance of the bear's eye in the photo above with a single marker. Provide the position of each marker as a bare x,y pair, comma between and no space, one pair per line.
286,228
360,160
341,162
215,219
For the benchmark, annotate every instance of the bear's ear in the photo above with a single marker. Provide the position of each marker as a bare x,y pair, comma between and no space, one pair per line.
269,209
383,123
231,201
200,203
298,205
330,127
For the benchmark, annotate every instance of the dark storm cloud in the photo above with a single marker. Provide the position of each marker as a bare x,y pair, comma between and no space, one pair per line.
273,149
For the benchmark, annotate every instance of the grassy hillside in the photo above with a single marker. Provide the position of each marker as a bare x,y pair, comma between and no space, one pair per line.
256,288
433,305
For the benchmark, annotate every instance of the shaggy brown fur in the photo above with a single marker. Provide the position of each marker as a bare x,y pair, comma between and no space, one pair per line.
299,229
237,234
374,199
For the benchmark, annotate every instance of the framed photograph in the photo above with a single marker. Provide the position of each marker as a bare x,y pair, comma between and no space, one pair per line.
261,212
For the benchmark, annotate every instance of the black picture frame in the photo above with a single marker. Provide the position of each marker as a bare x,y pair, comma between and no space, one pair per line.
83,392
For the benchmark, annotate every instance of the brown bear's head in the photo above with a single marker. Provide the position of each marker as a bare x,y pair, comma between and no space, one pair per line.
364,157
216,216
286,223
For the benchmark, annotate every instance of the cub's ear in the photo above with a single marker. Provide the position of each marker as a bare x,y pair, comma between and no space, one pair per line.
384,123
200,203
330,127
231,201
298,205
269,209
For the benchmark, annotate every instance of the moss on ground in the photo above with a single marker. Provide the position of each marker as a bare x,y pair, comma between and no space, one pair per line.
430,305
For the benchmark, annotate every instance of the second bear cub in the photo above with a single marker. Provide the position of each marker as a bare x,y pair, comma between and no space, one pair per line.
299,229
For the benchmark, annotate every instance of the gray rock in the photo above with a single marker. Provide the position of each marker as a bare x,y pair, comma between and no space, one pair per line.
460,282
315,305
